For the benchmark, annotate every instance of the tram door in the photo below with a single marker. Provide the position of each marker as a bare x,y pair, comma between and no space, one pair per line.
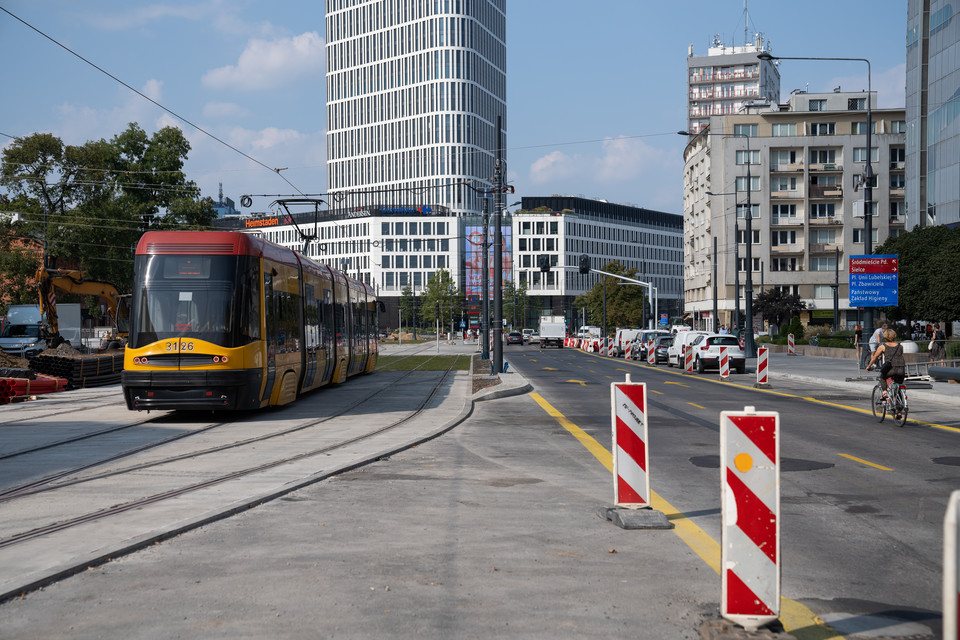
271,312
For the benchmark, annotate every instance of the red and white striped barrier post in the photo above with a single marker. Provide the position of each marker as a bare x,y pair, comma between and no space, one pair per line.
750,513
791,347
687,358
628,354
951,567
763,358
631,459
724,364
651,354
610,347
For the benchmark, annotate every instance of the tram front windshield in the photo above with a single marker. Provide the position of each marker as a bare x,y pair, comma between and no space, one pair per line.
211,298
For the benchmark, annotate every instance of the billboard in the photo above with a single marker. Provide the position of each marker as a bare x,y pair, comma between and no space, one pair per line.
473,259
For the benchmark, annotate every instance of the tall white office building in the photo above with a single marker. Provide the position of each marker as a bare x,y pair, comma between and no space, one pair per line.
414,88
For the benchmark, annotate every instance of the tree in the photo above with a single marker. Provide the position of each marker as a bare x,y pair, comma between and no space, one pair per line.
407,303
778,306
624,299
91,203
441,293
928,276
516,304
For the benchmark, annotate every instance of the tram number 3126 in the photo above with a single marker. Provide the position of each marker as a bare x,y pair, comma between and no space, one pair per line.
181,345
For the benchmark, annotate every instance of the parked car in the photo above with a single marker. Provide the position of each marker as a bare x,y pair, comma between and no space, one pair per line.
623,341
681,339
515,337
643,339
660,347
706,352
526,335
533,338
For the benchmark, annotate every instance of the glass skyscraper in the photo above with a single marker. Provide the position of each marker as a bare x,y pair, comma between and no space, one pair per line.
414,88
933,113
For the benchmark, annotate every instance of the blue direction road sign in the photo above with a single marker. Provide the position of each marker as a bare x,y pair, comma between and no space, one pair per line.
873,280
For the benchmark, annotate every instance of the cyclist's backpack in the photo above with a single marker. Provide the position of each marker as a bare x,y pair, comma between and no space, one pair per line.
898,366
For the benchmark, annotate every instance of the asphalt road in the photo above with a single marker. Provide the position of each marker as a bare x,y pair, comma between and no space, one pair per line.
862,503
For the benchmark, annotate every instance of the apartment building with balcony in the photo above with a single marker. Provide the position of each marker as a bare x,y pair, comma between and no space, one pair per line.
806,160
728,78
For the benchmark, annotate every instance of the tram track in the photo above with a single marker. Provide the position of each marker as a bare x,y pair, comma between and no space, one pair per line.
49,482
20,495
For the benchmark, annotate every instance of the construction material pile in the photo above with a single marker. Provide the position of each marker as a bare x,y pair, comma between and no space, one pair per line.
13,389
80,370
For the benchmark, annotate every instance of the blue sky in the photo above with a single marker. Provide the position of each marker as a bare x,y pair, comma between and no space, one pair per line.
596,89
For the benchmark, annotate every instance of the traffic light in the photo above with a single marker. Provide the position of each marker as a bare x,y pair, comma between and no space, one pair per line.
544,262
584,263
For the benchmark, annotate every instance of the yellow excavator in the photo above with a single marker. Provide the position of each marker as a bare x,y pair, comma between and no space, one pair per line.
75,281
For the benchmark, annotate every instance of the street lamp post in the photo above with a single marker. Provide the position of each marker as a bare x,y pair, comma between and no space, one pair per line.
737,319
867,171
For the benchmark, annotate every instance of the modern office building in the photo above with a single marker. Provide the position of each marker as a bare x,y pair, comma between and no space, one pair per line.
728,78
933,113
414,90
806,160
566,227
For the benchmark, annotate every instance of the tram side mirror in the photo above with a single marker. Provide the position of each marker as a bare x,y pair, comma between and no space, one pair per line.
381,306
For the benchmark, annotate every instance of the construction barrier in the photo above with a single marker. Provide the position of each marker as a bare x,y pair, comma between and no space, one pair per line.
724,364
791,346
763,357
651,354
610,347
631,459
750,516
687,358
951,567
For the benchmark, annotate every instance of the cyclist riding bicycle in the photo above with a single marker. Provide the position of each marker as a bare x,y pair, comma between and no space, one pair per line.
894,368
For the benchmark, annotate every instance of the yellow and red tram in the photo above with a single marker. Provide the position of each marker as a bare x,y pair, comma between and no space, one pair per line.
227,320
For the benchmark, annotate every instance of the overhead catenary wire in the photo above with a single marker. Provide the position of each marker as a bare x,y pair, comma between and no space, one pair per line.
149,99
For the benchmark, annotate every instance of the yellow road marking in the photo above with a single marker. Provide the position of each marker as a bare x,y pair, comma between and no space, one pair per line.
659,393
932,425
795,617
548,368
580,382
862,461
680,384
693,404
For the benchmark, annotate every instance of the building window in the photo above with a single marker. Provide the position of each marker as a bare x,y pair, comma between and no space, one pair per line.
860,128
860,154
783,238
783,183
742,236
823,128
784,129
783,264
817,105
823,156
782,157
822,210
822,291
856,104
754,183
754,157
898,156
898,181
823,263
823,236
858,236
898,126
746,130
783,210
898,210
754,210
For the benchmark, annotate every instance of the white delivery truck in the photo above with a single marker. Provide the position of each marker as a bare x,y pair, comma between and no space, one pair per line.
553,330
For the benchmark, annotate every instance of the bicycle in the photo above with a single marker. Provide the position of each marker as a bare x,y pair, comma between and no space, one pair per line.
895,402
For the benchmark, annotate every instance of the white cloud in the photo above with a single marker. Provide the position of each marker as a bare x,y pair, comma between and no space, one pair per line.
270,64
224,110
554,166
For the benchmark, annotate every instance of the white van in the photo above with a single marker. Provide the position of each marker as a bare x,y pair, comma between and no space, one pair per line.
623,340
683,338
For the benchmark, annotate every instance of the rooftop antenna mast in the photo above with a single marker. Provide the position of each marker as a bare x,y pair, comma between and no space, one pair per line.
746,24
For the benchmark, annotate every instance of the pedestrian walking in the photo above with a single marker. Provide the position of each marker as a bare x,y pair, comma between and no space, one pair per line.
858,345
876,338
938,350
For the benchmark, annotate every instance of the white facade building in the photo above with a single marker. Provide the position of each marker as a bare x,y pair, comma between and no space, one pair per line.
414,88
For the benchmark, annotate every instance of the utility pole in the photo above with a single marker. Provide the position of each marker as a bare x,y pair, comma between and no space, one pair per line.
498,254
